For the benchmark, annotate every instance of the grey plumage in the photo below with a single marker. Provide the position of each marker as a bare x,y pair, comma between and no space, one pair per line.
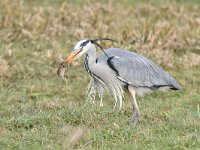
117,70
138,71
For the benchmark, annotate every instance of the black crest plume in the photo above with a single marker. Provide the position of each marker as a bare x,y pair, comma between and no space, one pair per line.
94,41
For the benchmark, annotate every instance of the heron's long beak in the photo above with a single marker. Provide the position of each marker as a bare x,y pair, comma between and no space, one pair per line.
72,56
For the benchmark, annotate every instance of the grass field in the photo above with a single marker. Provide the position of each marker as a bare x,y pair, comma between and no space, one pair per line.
37,111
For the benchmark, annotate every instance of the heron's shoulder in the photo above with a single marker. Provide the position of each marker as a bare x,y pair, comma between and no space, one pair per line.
118,53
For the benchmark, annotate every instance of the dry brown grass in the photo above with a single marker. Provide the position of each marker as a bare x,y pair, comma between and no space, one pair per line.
164,33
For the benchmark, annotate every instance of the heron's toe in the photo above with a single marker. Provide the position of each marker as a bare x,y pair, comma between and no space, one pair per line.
135,118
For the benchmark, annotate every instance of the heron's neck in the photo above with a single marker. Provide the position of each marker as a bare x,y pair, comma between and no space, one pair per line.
91,55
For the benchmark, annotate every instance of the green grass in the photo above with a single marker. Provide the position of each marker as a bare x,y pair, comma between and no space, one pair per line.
37,111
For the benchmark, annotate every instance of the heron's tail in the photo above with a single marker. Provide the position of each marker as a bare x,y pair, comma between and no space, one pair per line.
174,84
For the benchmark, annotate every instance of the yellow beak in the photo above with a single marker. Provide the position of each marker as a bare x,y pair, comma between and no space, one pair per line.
72,56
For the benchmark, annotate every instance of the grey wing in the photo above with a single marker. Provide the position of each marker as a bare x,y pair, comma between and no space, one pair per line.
138,70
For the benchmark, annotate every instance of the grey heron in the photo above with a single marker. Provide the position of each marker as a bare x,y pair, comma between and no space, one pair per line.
118,70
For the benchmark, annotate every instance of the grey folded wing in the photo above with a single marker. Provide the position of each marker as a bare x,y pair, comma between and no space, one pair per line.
137,70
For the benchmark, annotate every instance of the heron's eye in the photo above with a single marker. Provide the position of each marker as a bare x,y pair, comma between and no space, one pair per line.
83,44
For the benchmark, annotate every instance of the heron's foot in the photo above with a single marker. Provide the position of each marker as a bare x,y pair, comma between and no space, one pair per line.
135,118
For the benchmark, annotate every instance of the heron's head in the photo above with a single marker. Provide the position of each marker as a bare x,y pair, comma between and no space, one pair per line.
82,47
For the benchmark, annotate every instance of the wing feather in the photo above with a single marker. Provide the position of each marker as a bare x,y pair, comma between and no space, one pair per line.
138,70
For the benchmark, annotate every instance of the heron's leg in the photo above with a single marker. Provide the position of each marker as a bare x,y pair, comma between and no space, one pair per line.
136,113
